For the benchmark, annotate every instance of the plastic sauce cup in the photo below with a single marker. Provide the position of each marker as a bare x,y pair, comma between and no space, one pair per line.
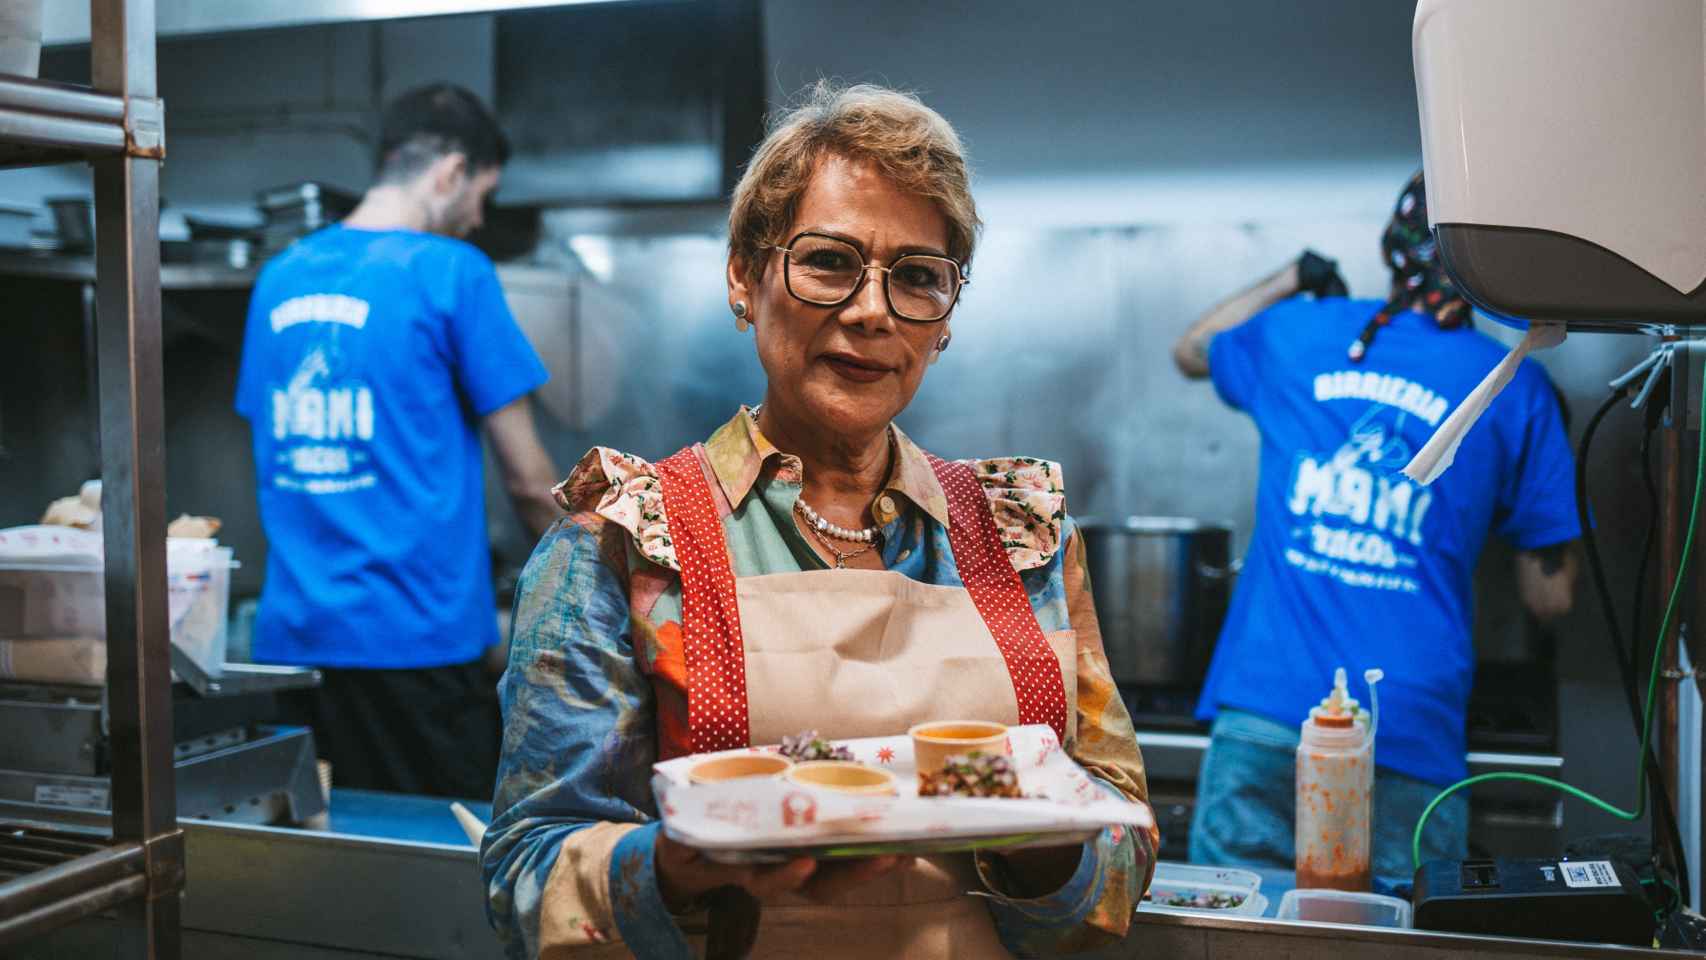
843,776
739,768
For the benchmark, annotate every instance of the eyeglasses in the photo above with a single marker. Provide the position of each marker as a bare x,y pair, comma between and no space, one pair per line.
827,272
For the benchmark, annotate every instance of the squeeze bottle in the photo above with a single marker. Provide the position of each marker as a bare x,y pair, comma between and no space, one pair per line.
1335,786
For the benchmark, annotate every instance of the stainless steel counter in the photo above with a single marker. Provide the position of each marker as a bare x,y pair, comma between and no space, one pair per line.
257,893
1189,937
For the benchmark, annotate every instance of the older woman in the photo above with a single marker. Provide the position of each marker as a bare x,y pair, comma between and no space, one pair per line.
808,566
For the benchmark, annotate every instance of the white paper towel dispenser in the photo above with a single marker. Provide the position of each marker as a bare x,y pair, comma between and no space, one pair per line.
1564,143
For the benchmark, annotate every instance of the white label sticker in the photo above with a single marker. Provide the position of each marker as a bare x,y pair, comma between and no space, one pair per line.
65,795
1589,873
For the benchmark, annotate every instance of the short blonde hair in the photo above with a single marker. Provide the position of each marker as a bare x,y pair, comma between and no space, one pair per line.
910,143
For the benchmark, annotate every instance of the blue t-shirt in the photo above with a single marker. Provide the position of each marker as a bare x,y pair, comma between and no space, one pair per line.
368,361
1352,565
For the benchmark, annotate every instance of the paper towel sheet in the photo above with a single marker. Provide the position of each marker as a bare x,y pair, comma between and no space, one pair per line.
1441,449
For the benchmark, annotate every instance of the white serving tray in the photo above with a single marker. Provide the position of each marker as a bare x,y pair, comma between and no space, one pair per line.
762,820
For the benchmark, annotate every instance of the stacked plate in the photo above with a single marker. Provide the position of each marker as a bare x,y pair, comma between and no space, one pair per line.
299,209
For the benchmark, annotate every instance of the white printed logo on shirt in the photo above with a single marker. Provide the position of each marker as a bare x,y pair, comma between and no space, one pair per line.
323,422
319,308
1360,520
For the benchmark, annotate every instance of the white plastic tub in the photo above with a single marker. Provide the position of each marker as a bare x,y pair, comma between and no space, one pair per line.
1211,890
53,604
20,37
1340,906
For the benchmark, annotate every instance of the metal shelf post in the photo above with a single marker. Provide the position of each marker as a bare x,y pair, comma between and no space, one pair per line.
133,498
117,126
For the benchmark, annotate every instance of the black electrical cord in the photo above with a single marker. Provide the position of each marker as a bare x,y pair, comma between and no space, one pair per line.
1624,656
1658,401
1651,536
1653,415
1625,664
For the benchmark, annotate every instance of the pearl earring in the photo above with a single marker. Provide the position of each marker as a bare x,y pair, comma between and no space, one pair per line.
741,323
941,345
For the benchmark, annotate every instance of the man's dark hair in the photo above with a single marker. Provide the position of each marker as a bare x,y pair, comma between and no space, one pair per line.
428,122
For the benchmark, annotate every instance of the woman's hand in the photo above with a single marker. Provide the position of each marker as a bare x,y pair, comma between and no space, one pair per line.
1040,871
830,881
684,874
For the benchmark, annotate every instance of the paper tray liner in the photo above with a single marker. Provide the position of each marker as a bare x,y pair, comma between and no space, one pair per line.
768,820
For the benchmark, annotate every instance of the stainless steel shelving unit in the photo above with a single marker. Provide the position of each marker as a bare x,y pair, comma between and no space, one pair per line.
51,877
78,269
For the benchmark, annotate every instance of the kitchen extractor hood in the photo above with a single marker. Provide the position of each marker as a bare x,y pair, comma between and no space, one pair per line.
67,22
638,103
634,102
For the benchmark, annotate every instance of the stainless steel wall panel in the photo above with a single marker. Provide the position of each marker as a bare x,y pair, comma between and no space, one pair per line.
1039,365
1062,349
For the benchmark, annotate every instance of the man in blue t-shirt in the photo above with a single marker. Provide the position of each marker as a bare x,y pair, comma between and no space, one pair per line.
1352,565
376,351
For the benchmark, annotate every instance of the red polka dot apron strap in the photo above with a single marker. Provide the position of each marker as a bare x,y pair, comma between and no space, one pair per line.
710,618
1000,598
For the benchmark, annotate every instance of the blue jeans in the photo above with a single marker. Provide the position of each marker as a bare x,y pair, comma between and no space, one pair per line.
1247,805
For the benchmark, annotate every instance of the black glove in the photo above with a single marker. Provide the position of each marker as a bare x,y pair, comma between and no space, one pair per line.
1320,276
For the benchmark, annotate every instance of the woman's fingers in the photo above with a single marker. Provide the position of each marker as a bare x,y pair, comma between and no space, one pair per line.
831,881
684,873
767,881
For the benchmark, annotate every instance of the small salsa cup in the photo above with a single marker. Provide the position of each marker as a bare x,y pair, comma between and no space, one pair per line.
739,767
844,776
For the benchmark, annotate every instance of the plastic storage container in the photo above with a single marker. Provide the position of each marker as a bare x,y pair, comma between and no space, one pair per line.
20,36
53,604
1341,906
1216,890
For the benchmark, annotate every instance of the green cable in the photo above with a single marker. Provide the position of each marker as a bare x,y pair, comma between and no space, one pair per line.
1670,906
1647,714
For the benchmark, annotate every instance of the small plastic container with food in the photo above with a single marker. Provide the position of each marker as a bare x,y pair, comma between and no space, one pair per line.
1216,890
934,742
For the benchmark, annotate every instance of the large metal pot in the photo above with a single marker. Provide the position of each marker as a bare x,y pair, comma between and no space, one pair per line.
1161,586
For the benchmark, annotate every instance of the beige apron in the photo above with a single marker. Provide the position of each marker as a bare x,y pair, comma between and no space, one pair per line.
865,653
858,653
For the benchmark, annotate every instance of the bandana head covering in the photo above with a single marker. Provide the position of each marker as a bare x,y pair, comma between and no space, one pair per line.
1419,280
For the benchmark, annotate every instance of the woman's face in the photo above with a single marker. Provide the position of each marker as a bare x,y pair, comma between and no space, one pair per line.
847,369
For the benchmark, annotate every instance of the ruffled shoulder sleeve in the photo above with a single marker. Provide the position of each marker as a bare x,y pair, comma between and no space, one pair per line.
625,490
1028,498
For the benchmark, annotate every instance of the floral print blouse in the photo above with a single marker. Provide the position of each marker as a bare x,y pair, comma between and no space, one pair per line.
596,681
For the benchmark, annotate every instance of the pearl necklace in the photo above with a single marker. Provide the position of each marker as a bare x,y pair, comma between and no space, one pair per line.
826,528
818,523
840,558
